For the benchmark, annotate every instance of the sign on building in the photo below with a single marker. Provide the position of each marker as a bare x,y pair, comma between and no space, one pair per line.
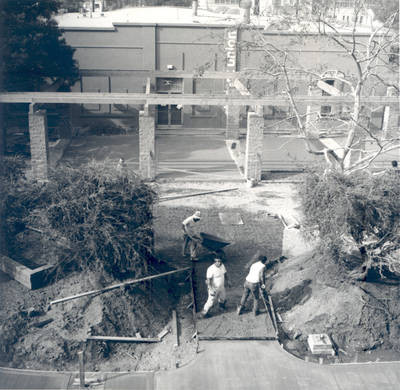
231,36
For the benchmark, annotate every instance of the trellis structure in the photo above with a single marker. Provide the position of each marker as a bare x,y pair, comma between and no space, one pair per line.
147,162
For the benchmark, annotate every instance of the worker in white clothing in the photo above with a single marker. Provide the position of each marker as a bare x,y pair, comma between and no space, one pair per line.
254,280
191,240
215,279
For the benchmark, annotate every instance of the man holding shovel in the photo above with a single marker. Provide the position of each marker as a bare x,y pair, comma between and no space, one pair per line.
254,281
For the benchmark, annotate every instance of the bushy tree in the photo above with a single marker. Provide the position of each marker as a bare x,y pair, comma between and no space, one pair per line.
370,68
100,218
359,212
33,51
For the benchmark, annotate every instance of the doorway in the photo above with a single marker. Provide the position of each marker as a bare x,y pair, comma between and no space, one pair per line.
169,114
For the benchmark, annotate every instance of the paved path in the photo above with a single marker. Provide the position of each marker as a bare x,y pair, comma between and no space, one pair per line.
253,365
230,365
30,379
190,156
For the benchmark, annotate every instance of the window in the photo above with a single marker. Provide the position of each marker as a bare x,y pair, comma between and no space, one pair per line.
169,85
169,114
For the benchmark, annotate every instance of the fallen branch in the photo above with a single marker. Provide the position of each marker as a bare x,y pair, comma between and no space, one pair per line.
115,286
163,199
124,339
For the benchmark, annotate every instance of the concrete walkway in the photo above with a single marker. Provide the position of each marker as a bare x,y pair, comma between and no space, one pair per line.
30,379
191,156
229,365
253,365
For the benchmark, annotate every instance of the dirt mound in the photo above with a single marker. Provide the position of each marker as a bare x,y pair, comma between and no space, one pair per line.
37,337
312,295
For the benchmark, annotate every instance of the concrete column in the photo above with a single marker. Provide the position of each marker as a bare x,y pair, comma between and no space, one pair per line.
390,122
232,122
254,146
147,154
39,143
245,6
195,5
313,111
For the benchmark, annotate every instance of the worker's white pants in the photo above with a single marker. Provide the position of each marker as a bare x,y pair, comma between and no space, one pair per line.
214,295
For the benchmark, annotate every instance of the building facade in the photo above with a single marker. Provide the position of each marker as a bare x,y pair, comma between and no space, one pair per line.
169,58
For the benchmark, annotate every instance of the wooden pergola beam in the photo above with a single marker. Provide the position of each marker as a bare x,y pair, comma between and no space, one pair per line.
250,75
183,99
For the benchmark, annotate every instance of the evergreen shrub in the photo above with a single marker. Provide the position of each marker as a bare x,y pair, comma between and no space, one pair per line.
361,208
99,216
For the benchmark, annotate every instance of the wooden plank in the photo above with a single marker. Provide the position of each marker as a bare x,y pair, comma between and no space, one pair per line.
30,278
165,198
175,328
163,333
328,88
124,339
81,369
211,338
184,99
115,286
245,75
273,314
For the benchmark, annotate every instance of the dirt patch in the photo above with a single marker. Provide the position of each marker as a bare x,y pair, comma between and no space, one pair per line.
66,326
312,295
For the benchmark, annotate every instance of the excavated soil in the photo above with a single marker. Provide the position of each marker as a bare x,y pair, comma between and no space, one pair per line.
310,294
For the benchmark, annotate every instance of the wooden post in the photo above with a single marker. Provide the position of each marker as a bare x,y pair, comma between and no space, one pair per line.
81,369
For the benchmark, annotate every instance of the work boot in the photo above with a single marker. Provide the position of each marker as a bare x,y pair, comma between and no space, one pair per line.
239,310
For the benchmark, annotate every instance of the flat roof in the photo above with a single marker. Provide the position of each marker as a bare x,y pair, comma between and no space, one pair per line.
217,17
147,15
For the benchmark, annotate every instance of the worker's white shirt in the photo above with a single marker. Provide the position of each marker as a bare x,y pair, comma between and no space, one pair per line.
189,224
217,275
255,272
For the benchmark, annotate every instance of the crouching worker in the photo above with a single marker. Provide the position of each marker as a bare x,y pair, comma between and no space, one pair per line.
191,241
216,279
254,281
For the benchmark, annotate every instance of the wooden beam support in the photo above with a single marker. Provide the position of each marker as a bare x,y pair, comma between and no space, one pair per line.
250,75
184,99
